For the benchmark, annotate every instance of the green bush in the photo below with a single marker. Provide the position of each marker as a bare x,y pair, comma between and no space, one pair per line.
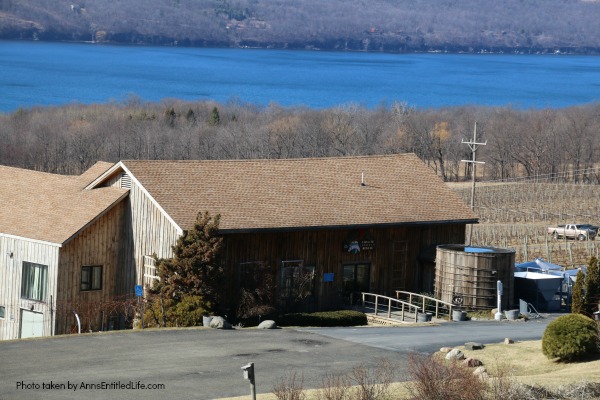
577,299
570,337
326,318
187,312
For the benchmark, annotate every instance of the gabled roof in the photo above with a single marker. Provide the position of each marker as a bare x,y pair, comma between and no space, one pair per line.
51,208
301,193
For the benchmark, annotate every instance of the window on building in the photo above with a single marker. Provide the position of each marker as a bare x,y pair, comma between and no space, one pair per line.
91,277
2,312
297,280
34,281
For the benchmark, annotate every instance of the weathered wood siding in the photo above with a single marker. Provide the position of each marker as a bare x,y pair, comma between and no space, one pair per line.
102,243
151,231
11,269
470,278
394,262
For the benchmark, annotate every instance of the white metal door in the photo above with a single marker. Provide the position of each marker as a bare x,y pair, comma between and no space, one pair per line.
32,324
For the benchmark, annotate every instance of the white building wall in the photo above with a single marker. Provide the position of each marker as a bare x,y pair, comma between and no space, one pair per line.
13,252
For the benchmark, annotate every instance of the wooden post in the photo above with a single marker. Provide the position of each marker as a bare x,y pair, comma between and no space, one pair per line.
389,308
376,303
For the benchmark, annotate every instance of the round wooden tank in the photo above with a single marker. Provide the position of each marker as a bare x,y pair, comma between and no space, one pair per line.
467,276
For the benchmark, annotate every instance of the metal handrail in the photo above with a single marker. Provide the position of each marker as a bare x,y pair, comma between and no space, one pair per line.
399,305
424,301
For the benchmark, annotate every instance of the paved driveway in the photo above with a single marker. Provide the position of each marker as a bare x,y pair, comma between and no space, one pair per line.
205,363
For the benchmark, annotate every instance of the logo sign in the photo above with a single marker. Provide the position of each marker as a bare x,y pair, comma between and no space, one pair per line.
139,290
357,241
328,277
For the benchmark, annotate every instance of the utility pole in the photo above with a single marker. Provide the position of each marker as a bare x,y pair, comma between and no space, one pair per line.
473,145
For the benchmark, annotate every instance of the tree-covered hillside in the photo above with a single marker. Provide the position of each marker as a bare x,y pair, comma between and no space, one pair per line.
373,25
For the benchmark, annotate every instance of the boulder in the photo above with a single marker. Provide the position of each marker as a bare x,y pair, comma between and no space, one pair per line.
483,376
445,350
455,354
219,323
508,341
472,362
267,324
479,371
473,346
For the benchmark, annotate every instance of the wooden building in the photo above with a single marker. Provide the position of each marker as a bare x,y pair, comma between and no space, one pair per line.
59,249
346,224
353,223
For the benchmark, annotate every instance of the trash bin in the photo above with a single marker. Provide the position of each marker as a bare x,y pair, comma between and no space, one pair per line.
511,315
459,315
424,317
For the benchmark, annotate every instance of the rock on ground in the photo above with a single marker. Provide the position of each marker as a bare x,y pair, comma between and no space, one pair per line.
219,323
455,354
267,324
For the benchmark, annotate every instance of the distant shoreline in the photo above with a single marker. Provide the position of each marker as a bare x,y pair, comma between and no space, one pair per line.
457,50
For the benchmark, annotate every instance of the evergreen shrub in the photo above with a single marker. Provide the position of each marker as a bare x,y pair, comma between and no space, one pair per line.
325,318
577,297
570,337
186,312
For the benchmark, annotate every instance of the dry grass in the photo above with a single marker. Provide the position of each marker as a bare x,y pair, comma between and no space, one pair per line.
525,360
528,364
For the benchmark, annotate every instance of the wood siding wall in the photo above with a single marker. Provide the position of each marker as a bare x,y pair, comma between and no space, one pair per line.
394,262
11,269
151,231
103,244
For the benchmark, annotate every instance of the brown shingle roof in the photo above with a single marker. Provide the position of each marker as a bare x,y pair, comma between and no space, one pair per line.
49,207
301,193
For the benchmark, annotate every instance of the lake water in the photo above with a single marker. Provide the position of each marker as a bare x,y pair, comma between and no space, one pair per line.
35,73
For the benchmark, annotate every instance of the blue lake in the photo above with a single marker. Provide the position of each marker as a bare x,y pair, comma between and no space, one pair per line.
35,73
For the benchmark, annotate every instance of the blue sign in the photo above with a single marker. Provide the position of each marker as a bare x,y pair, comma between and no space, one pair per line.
328,277
139,290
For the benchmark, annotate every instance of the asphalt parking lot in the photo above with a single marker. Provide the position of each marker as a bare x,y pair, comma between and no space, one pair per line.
206,364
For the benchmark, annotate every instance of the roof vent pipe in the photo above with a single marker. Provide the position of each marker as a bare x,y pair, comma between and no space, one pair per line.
362,180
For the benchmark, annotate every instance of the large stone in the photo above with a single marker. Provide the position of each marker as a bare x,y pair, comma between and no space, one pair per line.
267,324
219,323
479,371
472,362
445,350
473,346
455,354
508,341
483,376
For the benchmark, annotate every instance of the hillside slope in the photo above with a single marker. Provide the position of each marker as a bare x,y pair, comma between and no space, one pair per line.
533,26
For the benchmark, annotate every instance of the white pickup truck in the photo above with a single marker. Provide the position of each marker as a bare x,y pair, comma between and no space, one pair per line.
574,231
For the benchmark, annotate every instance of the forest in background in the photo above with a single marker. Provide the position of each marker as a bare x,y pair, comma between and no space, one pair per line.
510,26
546,144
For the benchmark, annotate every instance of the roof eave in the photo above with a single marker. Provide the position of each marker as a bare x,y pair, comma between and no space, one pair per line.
99,180
352,226
96,218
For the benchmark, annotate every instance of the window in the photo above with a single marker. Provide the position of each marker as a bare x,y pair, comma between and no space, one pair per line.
2,312
33,282
296,280
91,277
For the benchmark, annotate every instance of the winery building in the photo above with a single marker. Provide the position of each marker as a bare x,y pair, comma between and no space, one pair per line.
351,224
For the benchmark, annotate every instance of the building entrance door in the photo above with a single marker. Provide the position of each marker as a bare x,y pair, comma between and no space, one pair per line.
357,279
32,324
